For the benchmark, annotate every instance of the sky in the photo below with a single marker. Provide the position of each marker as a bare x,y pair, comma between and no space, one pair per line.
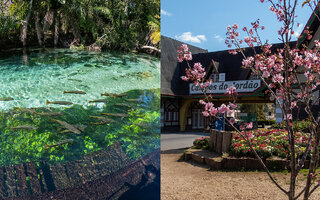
203,23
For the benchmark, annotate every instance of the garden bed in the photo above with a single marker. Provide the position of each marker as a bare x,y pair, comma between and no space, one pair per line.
272,145
218,162
268,143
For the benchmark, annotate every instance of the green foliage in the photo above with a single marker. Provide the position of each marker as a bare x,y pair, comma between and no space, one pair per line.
254,108
303,125
73,47
138,134
201,143
114,24
142,134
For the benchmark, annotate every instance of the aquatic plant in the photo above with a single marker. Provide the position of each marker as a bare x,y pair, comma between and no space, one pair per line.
44,139
141,134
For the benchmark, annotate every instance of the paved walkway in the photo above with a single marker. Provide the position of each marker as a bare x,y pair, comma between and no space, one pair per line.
179,140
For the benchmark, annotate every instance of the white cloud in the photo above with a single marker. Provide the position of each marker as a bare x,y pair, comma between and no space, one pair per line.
298,31
188,37
166,13
218,37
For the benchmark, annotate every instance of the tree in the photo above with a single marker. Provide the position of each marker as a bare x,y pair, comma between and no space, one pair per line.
254,108
112,24
278,71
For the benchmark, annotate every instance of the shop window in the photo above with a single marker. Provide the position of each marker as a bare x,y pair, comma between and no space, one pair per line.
214,77
171,115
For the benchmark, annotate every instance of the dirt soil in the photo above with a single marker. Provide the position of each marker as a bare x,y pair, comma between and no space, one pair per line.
188,181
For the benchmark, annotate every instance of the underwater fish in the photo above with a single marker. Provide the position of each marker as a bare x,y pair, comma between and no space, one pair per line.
67,126
123,105
114,95
74,92
80,127
6,99
99,101
122,115
59,102
72,79
25,127
99,123
47,146
134,100
104,119
25,110
49,114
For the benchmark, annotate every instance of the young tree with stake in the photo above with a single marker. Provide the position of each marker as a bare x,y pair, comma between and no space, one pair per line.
278,71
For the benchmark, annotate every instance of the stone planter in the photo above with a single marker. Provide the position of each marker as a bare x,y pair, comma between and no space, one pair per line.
214,163
220,141
198,158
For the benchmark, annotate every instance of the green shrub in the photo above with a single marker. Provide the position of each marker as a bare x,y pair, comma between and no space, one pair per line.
201,143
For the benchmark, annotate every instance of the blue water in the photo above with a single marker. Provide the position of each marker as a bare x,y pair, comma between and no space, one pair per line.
32,78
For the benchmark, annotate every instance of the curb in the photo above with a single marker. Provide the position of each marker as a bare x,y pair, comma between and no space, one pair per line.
233,163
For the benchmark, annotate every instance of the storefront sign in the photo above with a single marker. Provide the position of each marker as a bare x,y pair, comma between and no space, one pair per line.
221,87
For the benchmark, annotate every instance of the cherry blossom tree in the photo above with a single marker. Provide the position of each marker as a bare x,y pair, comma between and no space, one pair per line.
278,71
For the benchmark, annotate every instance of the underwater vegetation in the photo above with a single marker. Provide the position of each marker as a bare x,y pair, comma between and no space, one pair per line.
58,105
66,133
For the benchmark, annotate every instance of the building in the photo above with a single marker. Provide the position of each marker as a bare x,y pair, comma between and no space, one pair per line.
179,99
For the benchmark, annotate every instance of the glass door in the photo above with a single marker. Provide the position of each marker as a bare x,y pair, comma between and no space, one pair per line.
197,119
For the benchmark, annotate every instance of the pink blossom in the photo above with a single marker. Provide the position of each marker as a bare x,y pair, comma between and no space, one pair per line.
234,52
249,125
307,74
208,106
247,62
235,26
293,104
230,112
184,78
278,78
271,85
317,43
223,108
266,74
205,113
188,56
311,175
248,39
180,58
232,120
233,106
231,90
185,47
202,102
250,135
213,111
289,116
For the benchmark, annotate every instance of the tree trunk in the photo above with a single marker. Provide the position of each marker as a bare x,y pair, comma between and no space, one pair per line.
56,27
24,26
38,29
48,20
75,31
313,163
